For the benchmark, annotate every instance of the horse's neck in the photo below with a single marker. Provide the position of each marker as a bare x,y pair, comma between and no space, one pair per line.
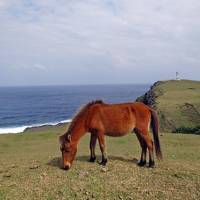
78,131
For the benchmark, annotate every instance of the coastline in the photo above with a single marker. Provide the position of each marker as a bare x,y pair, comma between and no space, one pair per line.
51,105
33,128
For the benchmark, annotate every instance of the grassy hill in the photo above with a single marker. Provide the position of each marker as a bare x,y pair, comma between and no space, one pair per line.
177,103
29,169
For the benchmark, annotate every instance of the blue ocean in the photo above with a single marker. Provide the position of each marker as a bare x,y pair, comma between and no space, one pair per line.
23,107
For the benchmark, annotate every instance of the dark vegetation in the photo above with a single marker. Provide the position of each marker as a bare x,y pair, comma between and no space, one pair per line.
188,130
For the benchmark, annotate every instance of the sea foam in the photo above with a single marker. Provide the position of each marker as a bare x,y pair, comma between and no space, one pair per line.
21,129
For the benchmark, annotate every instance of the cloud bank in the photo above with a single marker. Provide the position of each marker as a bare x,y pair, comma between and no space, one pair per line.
98,41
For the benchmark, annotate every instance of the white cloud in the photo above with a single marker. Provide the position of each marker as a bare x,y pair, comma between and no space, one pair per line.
39,67
119,36
31,67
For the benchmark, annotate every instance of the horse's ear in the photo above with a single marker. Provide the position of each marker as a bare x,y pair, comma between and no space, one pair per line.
69,137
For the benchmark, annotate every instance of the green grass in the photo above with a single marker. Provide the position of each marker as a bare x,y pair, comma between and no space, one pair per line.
177,103
175,95
30,169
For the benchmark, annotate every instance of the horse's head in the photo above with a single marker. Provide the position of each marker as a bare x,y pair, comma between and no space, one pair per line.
68,150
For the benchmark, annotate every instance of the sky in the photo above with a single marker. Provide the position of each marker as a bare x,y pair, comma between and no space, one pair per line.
64,42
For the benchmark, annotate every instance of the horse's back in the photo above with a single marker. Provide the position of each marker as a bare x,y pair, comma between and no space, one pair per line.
116,119
141,109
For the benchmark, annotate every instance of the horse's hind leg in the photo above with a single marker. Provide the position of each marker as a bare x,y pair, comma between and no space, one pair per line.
149,142
93,140
143,146
101,139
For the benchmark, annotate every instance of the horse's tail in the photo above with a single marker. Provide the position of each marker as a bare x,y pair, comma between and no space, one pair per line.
155,129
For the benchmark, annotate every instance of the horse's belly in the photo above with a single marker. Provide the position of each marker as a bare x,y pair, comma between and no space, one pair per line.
116,134
119,130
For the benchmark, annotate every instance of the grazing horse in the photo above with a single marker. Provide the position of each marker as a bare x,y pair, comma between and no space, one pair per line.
115,120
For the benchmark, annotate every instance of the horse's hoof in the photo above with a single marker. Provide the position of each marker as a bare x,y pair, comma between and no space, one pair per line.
142,163
92,159
151,164
103,162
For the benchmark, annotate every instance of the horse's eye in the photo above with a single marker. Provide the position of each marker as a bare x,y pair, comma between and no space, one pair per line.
67,151
61,148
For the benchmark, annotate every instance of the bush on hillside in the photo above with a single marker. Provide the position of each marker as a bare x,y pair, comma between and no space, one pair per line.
189,130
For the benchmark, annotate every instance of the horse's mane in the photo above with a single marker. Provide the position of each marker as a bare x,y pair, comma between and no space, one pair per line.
79,113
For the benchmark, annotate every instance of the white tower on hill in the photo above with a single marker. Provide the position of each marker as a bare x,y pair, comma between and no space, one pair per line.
177,76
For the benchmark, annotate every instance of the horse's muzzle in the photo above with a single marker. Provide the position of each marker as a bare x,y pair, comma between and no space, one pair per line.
67,166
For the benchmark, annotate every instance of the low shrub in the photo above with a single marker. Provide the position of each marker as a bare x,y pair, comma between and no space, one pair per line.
189,130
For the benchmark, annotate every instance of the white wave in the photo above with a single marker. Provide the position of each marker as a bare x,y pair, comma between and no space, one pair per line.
13,129
21,129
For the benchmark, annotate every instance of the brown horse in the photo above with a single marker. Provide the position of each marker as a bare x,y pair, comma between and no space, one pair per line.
115,120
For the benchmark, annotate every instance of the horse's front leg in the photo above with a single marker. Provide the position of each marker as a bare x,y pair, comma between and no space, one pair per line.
93,140
101,139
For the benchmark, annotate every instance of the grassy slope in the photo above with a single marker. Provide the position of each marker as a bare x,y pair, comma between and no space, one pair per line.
179,103
176,177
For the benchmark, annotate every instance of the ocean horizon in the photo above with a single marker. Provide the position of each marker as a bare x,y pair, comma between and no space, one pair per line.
25,107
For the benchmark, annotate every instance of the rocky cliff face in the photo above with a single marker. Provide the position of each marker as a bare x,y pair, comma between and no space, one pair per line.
176,102
149,98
